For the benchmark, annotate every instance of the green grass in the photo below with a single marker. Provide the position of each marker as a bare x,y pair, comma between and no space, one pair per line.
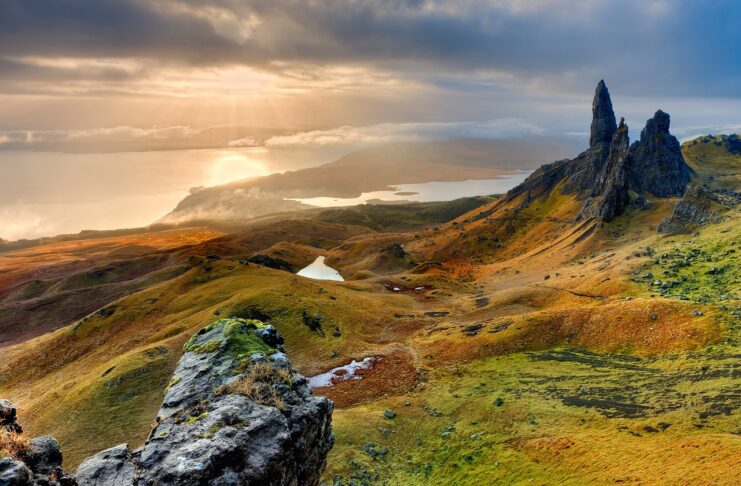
703,268
239,338
382,217
714,161
115,407
553,417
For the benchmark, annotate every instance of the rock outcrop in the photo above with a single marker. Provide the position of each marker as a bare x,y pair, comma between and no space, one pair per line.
609,196
37,462
698,207
612,175
657,164
235,413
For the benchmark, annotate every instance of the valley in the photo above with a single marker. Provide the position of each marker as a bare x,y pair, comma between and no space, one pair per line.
550,335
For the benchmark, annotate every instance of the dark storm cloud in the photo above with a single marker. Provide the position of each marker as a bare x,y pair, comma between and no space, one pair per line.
14,70
685,47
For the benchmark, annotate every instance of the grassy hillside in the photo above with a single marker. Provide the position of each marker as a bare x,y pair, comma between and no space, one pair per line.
512,344
715,160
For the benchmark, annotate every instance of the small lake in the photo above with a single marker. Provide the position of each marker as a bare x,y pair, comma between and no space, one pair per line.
319,270
426,192
342,373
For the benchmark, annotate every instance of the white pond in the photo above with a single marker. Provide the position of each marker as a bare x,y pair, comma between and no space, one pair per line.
426,192
342,373
320,271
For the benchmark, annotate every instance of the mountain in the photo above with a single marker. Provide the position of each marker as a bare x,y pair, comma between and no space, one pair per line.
373,169
552,335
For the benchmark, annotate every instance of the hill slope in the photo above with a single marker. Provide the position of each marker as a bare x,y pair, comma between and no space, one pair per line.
521,341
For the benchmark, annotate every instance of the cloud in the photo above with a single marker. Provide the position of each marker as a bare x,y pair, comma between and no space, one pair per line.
21,221
35,139
404,132
649,46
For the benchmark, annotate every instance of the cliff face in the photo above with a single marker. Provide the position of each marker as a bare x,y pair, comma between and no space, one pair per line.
584,169
235,413
603,118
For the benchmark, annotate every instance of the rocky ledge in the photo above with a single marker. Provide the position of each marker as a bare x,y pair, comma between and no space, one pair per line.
235,413
698,207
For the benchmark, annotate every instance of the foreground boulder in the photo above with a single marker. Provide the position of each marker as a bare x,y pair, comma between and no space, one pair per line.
235,413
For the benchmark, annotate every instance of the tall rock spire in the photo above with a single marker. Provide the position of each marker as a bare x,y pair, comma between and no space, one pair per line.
610,191
587,166
603,118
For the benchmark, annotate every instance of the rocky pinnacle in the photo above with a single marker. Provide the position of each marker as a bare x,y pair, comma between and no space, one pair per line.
658,166
603,118
610,192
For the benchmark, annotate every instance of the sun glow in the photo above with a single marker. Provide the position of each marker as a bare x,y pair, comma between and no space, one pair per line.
230,166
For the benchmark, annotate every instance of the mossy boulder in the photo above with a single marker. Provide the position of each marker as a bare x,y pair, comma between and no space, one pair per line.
235,336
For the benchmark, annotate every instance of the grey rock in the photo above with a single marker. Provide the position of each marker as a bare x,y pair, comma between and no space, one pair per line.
603,118
44,455
111,467
698,207
8,417
657,165
39,465
609,176
609,196
270,335
208,434
14,473
586,167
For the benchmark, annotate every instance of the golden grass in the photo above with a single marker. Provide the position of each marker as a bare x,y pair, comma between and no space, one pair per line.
13,445
59,380
257,384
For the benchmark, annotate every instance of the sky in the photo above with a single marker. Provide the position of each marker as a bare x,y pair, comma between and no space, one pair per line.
109,75
207,91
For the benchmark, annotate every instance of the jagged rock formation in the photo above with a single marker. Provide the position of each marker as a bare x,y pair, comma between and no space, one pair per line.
657,164
609,196
34,463
585,168
603,118
611,174
235,413
698,207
